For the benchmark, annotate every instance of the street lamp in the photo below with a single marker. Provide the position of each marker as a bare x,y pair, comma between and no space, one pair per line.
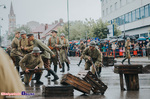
0,35
3,6
68,16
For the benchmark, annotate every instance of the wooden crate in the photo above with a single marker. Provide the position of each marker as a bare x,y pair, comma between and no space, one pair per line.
128,69
76,82
108,61
97,85
58,91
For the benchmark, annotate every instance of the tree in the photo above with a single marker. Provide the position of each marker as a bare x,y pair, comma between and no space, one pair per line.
24,27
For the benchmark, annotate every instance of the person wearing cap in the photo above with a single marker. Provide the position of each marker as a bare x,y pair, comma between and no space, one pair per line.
127,51
15,52
32,60
63,52
25,46
82,47
54,45
46,54
90,54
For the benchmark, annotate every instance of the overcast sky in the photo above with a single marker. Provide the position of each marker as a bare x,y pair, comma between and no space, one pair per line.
47,11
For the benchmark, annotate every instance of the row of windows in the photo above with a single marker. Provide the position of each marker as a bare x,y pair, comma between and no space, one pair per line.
116,6
132,16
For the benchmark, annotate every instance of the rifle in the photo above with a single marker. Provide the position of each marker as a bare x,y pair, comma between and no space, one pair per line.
32,70
57,54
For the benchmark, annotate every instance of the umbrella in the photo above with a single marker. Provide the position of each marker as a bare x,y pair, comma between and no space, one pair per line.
141,39
120,39
70,42
113,40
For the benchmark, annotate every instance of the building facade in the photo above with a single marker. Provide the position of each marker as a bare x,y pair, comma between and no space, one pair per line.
12,20
132,16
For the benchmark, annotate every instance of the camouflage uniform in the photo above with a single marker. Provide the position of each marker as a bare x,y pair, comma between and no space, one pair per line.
25,43
30,61
96,56
15,53
51,43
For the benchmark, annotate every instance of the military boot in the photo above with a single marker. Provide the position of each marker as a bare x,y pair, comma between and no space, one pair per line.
79,63
129,62
54,74
38,76
55,68
68,66
63,68
48,74
99,72
123,60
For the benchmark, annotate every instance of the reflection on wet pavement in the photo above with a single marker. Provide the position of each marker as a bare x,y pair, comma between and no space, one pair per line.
107,76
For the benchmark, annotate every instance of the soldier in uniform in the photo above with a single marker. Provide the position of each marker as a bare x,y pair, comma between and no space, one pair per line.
127,51
54,45
25,46
32,61
14,52
46,54
90,54
63,52
82,47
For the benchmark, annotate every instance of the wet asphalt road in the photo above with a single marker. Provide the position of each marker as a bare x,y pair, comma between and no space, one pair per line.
107,76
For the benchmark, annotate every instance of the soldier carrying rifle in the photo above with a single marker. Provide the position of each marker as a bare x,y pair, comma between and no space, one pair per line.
92,55
32,61
63,52
54,45
46,55
14,52
82,47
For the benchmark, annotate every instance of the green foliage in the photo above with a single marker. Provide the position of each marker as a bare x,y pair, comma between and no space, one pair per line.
78,29
24,27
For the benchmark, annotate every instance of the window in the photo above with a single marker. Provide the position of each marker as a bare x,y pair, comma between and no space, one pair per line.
126,18
116,6
106,11
122,19
103,13
120,3
130,17
144,35
146,11
110,8
133,15
142,15
137,14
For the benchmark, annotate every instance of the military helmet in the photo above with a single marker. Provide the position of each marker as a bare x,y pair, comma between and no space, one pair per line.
30,34
62,34
53,31
23,32
93,44
36,50
128,38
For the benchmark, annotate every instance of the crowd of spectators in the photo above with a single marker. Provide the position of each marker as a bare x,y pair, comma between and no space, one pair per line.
116,49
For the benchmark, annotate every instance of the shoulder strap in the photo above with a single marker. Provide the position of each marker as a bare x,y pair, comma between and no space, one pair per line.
20,42
50,41
64,41
57,40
